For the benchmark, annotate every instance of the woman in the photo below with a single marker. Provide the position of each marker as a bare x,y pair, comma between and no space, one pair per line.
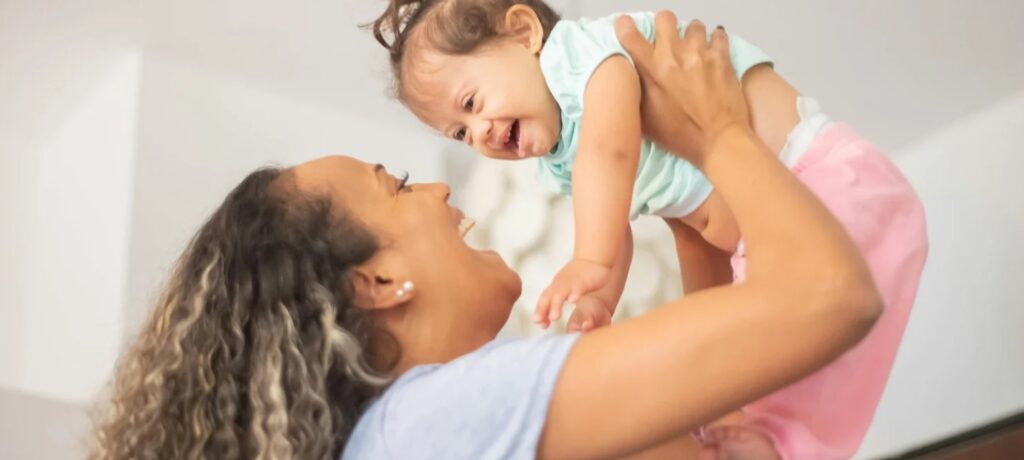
333,307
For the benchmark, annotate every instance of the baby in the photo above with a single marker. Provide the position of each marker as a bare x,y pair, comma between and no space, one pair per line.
513,81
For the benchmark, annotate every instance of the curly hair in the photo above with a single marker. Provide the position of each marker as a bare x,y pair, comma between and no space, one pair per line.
255,349
455,27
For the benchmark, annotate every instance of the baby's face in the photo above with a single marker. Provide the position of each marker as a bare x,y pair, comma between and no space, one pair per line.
495,100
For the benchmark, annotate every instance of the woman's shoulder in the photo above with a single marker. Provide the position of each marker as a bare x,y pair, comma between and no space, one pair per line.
496,395
503,361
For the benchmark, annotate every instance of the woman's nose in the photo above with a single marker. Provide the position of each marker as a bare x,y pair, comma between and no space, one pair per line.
441,189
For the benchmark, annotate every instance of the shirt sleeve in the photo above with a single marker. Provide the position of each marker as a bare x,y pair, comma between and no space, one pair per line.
489,404
571,54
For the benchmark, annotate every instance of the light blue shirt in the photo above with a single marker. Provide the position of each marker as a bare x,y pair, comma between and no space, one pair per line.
665,185
489,404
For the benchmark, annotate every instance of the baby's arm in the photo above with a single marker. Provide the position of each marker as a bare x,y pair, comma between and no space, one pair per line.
603,178
596,309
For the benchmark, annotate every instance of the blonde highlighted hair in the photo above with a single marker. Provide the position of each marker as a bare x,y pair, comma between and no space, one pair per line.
255,349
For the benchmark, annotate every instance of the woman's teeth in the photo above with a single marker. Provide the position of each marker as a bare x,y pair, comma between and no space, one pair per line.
465,226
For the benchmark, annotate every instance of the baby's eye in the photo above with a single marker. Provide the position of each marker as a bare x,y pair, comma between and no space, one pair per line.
460,135
469,103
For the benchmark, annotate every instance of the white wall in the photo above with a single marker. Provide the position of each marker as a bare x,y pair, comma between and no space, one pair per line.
67,125
961,364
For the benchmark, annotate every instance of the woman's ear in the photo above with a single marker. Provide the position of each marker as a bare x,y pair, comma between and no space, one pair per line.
524,27
381,284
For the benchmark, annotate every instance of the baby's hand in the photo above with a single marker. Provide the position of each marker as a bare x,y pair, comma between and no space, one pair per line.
576,278
590,313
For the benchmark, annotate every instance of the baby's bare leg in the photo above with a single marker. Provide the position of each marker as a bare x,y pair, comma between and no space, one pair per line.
772,104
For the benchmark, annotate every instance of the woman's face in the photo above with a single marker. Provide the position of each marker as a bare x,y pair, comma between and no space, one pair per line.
461,297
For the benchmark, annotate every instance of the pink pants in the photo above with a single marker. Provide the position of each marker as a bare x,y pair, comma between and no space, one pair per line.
826,415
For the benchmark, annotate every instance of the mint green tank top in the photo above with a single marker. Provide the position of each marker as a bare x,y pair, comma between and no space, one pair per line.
665,185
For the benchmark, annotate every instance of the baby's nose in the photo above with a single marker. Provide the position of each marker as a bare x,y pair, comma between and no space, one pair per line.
482,130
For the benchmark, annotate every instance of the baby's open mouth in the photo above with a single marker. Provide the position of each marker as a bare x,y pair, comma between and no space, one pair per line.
512,139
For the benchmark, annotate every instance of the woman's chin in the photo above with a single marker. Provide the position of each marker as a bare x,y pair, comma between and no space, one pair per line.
511,283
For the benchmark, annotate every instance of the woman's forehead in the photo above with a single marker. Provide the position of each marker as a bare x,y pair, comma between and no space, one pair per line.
340,176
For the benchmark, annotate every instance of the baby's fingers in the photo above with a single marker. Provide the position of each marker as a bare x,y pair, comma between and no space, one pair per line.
557,304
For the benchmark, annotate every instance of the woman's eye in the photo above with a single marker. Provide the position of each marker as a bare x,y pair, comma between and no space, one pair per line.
460,135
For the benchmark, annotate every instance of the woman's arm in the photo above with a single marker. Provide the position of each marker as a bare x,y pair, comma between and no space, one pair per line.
807,297
772,107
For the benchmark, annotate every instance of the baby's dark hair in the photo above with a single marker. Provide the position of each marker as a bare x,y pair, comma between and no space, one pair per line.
455,27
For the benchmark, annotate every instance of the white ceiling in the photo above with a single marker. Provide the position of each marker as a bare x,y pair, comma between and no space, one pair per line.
896,69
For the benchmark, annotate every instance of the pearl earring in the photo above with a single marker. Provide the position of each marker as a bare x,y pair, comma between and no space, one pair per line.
407,288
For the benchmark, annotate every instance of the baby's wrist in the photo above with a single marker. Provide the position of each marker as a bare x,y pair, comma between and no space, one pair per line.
592,262
608,305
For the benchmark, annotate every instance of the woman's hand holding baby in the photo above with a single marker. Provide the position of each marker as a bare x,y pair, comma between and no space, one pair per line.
685,118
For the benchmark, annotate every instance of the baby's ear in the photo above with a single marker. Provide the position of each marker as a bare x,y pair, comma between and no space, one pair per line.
523,25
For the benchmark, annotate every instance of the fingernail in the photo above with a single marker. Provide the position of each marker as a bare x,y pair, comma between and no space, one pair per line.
722,28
